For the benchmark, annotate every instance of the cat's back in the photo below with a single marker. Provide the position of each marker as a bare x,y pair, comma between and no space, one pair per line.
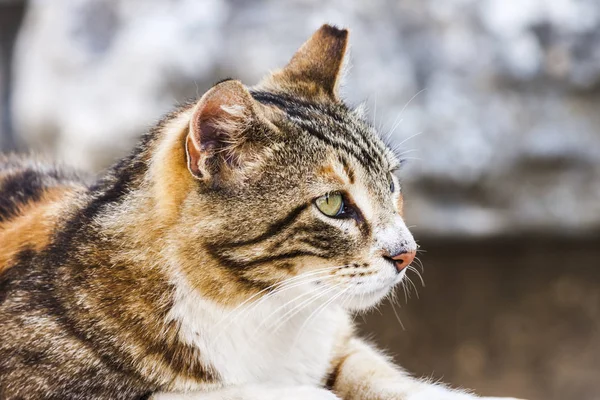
33,196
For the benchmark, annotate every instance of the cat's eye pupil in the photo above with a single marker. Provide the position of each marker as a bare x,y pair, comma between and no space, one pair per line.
392,185
331,204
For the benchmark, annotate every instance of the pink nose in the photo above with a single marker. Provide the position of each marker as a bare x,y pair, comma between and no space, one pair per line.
404,259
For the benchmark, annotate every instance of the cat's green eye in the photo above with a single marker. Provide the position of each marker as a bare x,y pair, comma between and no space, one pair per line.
332,204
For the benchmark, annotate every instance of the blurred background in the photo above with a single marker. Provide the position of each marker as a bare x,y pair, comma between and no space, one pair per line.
495,104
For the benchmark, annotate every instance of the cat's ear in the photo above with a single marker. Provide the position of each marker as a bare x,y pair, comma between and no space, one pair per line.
316,68
224,131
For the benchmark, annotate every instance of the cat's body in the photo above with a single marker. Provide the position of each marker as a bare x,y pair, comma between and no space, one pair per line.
49,298
218,261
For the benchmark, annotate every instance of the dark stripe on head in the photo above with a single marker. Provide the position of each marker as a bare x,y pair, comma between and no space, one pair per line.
360,154
272,230
305,110
299,230
303,113
347,168
229,261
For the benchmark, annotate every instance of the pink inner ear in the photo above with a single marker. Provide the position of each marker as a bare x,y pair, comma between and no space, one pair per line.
209,136
215,125
202,143
213,114
193,157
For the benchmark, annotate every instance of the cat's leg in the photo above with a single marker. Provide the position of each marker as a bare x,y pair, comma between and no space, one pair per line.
362,373
253,392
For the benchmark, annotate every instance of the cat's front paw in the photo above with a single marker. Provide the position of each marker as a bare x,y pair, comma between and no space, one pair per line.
254,392
500,398
437,392
307,393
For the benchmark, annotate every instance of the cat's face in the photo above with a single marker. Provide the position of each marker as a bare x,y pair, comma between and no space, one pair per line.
302,190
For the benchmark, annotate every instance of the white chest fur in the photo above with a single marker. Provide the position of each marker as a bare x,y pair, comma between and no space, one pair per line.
259,342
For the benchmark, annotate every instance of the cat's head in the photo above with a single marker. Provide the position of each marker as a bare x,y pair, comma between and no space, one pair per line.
293,190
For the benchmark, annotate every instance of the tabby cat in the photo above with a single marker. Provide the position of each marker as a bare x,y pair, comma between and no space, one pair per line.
220,260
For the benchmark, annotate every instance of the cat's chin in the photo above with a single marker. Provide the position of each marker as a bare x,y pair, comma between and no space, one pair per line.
365,300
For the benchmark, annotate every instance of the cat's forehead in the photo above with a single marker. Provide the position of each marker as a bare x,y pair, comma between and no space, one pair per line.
332,128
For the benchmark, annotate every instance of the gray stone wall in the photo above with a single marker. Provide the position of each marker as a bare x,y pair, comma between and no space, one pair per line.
11,13
493,102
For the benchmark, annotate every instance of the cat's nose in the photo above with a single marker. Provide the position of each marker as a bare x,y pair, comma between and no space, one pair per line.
402,259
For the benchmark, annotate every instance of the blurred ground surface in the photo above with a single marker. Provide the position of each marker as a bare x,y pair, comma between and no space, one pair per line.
517,317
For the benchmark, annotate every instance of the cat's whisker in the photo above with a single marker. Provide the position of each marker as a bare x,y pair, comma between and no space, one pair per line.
393,300
396,124
247,306
298,308
345,301
317,311
413,285
405,290
278,289
283,307
274,288
393,129
389,133
246,313
411,268
408,138
306,278
300,281
419,263
402,153
411,99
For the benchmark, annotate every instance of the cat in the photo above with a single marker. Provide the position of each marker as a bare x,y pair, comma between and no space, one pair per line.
221,259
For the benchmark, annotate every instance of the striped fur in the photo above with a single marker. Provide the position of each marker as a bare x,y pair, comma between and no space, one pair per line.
199,266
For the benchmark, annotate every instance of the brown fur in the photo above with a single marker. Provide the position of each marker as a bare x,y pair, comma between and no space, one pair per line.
33,228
